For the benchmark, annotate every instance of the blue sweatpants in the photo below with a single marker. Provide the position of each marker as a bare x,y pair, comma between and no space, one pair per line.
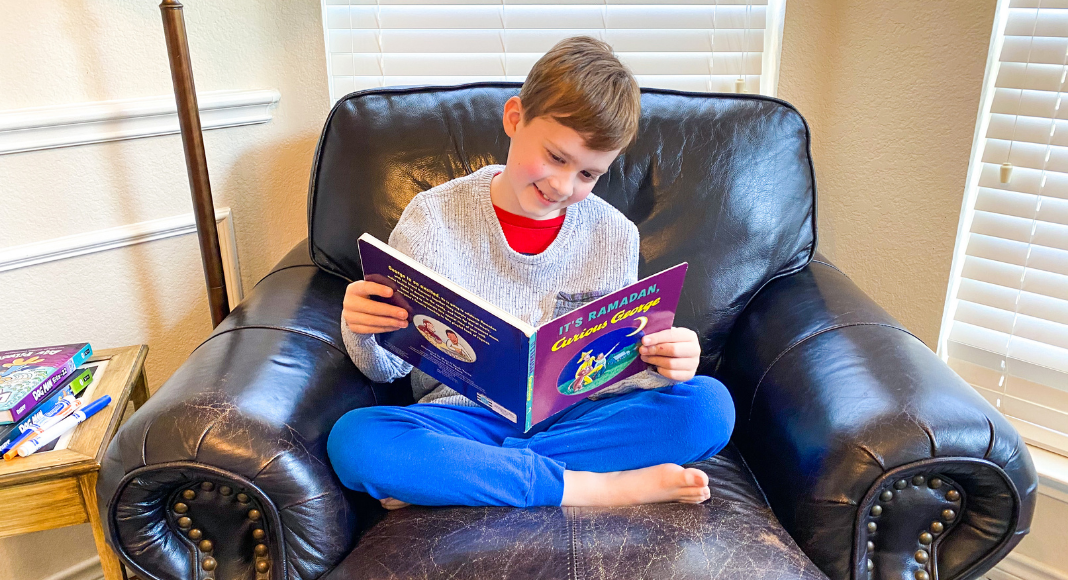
433,455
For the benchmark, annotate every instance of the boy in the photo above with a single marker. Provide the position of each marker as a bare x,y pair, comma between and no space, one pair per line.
517,236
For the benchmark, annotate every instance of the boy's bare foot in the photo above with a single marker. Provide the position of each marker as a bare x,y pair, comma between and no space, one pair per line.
660,483
393,504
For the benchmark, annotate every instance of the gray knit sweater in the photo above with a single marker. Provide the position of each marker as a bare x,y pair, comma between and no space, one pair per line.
453,230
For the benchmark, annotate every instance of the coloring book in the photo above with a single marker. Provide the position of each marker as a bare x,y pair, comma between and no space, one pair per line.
523,373
29,376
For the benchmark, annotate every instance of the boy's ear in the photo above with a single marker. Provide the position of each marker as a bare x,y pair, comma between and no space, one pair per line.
513,115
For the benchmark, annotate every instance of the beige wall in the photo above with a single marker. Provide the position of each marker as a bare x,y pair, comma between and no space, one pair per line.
891,91
55,53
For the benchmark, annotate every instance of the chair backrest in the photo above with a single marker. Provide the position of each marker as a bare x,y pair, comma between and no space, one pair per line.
722,181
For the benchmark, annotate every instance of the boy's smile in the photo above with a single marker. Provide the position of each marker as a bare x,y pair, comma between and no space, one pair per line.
549,166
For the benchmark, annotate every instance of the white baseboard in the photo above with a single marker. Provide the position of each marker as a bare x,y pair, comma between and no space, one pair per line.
1016,566
88,569
107,239
81,123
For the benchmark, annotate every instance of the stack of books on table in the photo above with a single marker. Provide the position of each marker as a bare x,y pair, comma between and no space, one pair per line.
44,392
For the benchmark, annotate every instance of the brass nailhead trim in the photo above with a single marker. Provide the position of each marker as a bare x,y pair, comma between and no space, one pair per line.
225,490
261,549
871,565
184,522
935,483
180,508
206,545
263,566
900,484
918,480
948,514
207,486
922,556
937,527
952,495
926,538
242,498
922,575
871,546
195,534
886,495
258,534
876,510
208,564
189,494
872,527
253,515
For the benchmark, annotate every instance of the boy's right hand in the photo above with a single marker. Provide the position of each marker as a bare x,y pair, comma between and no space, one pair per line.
366,316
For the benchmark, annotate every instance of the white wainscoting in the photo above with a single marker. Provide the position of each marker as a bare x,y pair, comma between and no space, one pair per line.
80,123
107,239
1016,566
88,569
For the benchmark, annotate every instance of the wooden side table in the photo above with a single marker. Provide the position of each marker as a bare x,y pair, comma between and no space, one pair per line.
58,488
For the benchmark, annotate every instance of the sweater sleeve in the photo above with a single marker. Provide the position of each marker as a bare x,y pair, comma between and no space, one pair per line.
375,362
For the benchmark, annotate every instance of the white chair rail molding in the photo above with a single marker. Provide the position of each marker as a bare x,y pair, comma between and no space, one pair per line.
54,126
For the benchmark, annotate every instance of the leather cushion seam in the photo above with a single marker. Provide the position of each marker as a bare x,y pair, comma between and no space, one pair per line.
831,266
344,352
804,339
273,272
271,327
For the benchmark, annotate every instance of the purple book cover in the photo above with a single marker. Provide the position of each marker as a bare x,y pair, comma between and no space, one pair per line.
29,376
522,373
586,350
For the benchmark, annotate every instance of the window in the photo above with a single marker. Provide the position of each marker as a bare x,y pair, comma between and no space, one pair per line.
696,45
1005,328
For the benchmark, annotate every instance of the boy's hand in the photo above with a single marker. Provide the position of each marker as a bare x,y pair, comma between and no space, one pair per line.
675,352
366,316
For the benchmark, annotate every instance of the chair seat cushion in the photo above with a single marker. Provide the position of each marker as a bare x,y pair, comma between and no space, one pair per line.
732,535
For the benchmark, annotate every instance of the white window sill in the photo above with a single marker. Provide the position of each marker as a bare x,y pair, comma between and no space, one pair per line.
1052,471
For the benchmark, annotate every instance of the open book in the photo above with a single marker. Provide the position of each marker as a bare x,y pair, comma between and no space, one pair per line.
523,373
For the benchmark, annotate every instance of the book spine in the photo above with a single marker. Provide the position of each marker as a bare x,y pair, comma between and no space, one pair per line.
532,343
30,401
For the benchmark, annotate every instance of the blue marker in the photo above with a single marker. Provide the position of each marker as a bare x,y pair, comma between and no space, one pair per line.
59,429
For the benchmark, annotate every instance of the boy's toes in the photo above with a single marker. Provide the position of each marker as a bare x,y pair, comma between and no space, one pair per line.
695,477
392,504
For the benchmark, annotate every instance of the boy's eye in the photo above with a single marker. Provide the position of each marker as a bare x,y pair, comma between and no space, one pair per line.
555,158
587,175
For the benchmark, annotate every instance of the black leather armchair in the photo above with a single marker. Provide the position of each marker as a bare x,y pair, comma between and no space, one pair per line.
857,453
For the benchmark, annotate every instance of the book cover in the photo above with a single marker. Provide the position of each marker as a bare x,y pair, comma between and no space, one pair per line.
452,335
584,351
72,387
29,376
522,373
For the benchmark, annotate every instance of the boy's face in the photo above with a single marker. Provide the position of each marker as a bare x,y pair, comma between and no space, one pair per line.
549,166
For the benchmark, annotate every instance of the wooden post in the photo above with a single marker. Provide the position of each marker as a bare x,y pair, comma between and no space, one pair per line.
196,163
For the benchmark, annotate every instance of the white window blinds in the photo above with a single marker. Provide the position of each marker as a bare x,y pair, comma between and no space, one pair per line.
695,45
1006,325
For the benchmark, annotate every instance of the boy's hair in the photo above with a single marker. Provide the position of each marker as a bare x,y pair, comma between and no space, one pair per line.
580,84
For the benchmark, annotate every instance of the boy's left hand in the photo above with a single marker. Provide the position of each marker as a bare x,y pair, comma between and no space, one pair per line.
675,352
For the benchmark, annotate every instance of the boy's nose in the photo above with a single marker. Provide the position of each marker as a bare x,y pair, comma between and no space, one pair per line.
561,188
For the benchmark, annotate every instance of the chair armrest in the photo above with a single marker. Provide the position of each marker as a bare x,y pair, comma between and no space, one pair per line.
235,441
864,441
